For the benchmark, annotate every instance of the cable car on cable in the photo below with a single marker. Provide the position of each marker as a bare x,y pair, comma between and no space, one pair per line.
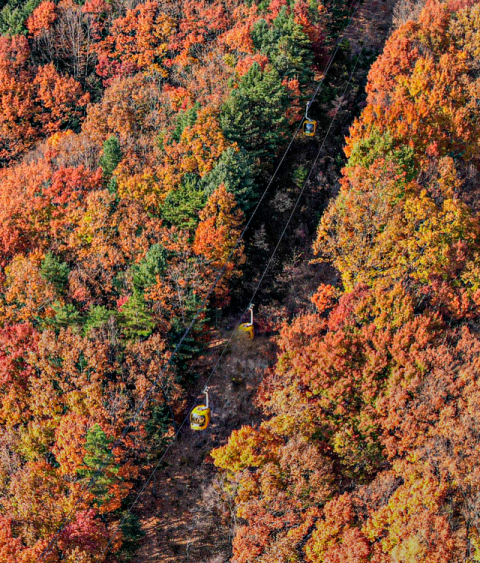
201,414
247,328
309,125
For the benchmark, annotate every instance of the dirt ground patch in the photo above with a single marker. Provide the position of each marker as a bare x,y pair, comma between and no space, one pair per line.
181,521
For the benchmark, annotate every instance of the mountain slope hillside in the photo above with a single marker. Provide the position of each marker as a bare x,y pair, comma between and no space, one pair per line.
135,140
368,451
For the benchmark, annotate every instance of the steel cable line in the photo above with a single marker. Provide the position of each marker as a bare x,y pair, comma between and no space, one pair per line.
91,482
225,347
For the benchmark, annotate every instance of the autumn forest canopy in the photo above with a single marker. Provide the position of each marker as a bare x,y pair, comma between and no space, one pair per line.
369,448
135,141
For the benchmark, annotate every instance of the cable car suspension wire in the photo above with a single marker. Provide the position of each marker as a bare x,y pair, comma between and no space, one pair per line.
90,484
214,369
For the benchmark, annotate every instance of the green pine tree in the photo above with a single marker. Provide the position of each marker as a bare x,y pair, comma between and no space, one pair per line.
14,14
157,426
97,317
338,16
235,171
144,274
287,46
132,533
185,118
135,318
65,316
181,206
299,175
55,272
99,463
191,345
254,114
110,159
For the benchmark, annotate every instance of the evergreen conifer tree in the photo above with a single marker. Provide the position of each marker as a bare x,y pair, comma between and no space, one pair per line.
234,170
135,318
186,118
55,272
132,533
286,45
254,114
181,206
99,463
111,155
66,315
110,159
144,274
97,317
14,14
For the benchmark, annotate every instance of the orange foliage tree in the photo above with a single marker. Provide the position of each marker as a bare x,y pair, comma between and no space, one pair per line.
136,42
421,90
217,240
33,101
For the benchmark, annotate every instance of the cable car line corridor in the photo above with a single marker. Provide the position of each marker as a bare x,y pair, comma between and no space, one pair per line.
180,511
280,181
180,514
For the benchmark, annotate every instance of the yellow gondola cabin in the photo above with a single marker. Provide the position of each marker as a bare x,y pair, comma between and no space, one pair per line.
248,328
309,128
201,415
